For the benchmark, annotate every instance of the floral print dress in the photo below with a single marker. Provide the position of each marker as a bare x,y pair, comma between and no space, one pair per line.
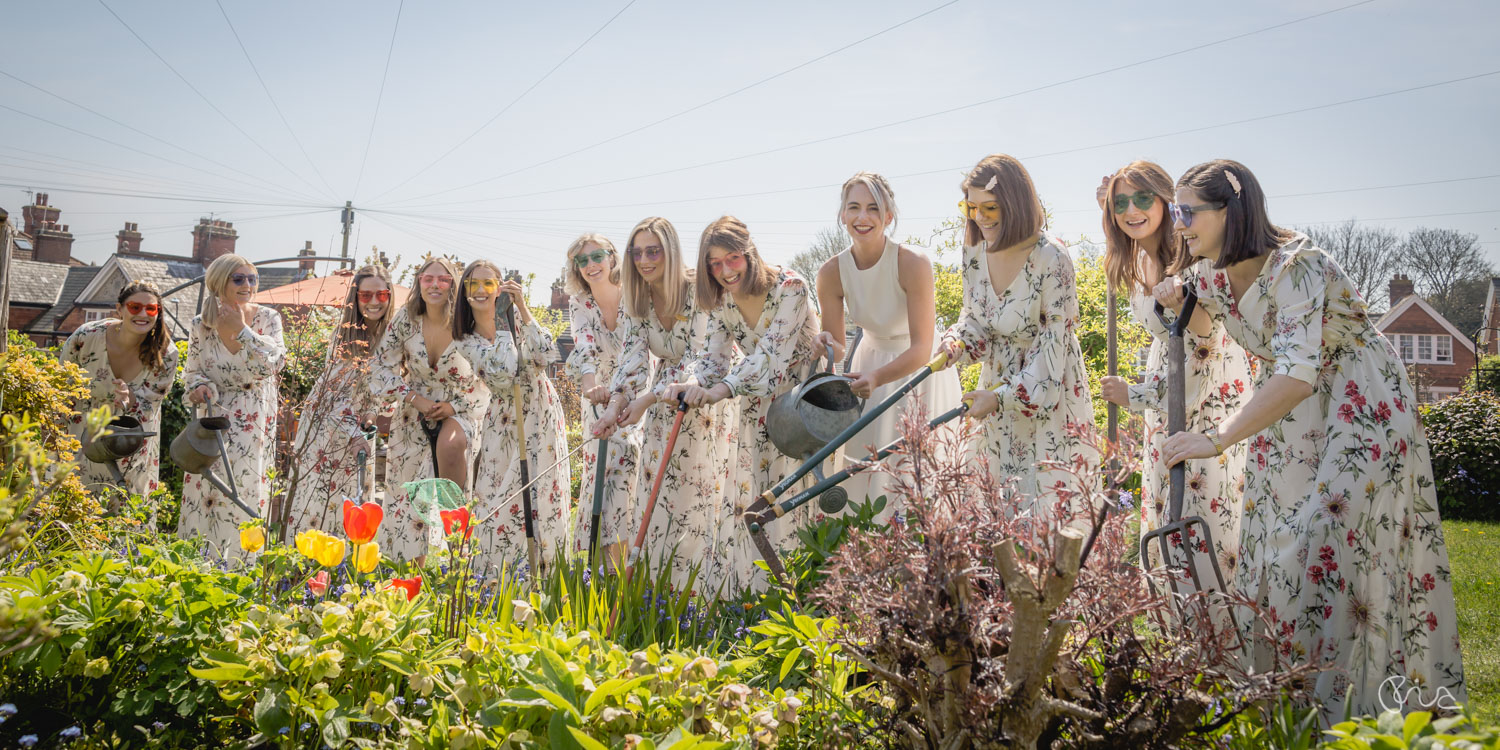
86,348
1025,337
329,466
596,351
243,387
1217,376
400,366
685,522
1340,545
500,529
766,359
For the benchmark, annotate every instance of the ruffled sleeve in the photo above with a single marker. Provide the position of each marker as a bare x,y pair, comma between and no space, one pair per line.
194,372
386,383
588,326
1298,294
494,363
633,371
1039,385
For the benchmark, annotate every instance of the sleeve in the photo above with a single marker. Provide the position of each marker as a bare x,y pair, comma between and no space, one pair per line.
760,371
587,325
72,351
969,329
495,364
1204,280
540,347
633,372
1038,387
385,382
1298,297
156,385
1150,392
712,352
265,353
193,372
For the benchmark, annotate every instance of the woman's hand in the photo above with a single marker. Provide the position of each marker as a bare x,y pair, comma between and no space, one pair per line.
440,412
638,409
122,398
1169,293
598,394
201,395
825,340
608,419
1184,445
863,383
953,348
1101,193
982,403
517,297
1115,389
359,443
696,395
231,319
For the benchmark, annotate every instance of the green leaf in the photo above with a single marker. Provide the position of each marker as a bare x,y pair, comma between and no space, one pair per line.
336,730
1415,722
223,673
608,690
394,661
789,663
555,671
585,741
271,713
558,735
550,696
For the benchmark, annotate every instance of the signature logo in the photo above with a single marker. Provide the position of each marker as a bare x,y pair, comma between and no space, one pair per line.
1395,694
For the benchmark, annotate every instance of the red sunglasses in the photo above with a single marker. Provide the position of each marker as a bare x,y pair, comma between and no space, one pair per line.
382,295
135,308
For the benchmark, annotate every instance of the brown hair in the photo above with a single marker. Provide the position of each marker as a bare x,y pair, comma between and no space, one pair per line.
153,351
573,281
731,234
416,307
677,278
1021,213
1120,262
463,312
1248,231
357,335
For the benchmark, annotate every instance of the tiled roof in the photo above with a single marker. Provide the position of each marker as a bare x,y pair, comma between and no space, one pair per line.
78,278
36,283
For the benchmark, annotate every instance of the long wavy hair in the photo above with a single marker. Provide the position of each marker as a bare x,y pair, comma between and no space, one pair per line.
731,234
357,335
416,306
153,351
677,278
1120,262
1248,231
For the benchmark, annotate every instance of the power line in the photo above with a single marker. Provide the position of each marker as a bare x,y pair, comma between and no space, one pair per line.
111,175
201,95
904,121
160,197
695,107
512,103
389,52
169,227
1342,190
274,105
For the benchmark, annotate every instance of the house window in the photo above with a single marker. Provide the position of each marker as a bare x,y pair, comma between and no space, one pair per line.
1425,348
1444,349
1404,341
90,316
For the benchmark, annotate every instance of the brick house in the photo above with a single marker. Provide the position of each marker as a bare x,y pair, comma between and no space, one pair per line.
1439,357
1489,331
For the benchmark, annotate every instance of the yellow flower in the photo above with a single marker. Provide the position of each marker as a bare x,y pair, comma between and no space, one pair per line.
304,542
331,551
366,557
252,539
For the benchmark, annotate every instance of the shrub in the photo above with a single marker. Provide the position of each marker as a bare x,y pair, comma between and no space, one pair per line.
1464,432
1486,376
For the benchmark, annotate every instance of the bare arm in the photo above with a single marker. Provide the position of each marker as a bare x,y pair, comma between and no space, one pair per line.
831,300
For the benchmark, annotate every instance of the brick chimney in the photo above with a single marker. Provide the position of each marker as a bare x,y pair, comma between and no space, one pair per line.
51,242
128,240
212,238
1401,288
559,297
39,214
305,267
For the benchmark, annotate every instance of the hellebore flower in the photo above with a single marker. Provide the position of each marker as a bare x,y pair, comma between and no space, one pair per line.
362,521
318,584
366,556
412,586
252,539
455,521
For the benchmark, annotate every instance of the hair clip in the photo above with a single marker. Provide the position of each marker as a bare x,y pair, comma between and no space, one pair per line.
989,186
1234,182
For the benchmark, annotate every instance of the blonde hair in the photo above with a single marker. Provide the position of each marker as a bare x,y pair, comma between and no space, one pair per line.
731,234
885,197
416,306
677,278
1120,262
573,281
216,281
1021,213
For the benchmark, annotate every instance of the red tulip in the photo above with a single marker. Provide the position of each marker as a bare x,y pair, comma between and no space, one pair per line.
361,521
455,521
412,586
318,584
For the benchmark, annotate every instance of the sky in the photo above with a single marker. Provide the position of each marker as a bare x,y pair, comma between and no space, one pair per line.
505,130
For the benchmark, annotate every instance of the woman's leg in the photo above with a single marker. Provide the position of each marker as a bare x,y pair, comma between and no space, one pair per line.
452,452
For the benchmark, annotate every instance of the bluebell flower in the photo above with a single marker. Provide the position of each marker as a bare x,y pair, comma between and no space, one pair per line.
7,710
158,725
304,726
420,702
140,667
71,733
27,740
400,701
1127,500
284,731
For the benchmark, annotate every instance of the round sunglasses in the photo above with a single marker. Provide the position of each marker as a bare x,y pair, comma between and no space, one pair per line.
990,211
584,261
650,252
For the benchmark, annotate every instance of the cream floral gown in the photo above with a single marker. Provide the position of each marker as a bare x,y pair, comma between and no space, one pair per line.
1340,543
1025,337
400,366
1217,378
243,387
500,533
86,348
685,522
330,419
596,351
758,362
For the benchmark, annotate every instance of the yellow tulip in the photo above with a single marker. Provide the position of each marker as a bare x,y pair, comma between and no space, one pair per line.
331,551
367,557
305,542
252,539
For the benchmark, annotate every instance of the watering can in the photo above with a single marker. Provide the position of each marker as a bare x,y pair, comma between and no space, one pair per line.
803,420
198,447
122,439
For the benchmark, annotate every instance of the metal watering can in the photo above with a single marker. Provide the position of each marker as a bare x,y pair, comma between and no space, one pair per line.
123,438
198,447
806,418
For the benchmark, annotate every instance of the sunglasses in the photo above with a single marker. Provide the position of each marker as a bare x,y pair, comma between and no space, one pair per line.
245,279
732,260
442,281
1142,200
990,211
1182,213
650,252
135,308
482,286
382,295
598,256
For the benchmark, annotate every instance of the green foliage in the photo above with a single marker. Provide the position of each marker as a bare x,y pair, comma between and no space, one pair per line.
1416,730
1464,432
33,381
174,417
1487,376
1131,337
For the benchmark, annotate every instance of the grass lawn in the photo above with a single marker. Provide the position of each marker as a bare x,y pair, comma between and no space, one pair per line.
1474,553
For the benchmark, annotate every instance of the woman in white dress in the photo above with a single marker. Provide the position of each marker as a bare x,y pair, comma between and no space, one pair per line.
663,331
1141,251
592,279
765,319
131,363
1020,312
235,352
889,292
331,427
484,339
417,365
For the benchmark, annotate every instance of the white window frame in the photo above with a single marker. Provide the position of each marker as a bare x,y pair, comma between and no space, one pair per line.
1442,350
1425,348
90,316
1407,347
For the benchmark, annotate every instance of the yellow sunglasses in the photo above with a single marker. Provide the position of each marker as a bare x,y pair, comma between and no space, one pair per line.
476,286
990,211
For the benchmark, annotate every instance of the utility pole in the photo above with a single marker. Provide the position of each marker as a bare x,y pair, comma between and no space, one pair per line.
348,219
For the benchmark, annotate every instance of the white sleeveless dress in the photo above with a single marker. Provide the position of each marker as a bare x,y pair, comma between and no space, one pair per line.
877,304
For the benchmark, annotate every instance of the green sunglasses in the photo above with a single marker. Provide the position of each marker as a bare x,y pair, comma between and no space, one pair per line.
583,261
1141,199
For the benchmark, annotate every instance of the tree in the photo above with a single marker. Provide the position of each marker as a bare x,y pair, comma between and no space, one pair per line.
829,241
1369,255
1450,271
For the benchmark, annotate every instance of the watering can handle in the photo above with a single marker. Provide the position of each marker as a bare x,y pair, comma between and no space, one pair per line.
832,361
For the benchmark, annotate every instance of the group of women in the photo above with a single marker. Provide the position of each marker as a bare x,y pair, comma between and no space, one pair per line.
1303,445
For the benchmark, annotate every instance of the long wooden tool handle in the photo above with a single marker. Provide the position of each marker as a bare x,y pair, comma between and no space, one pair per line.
533,554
